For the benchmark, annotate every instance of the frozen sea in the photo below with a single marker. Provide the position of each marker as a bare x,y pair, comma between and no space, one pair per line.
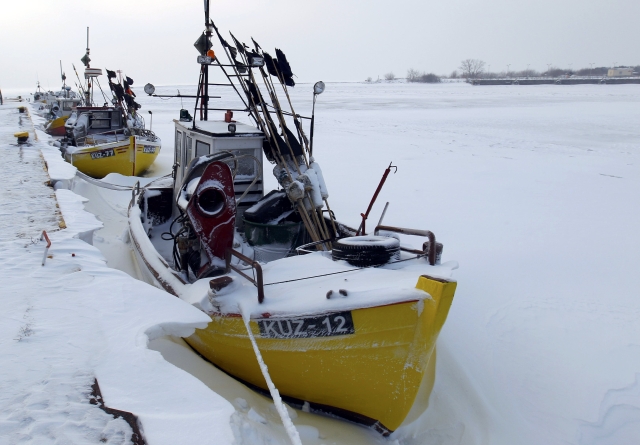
534,190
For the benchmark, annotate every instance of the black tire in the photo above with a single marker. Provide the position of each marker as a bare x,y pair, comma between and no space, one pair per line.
366,251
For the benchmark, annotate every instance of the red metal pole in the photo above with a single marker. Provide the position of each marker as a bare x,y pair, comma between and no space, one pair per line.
365,215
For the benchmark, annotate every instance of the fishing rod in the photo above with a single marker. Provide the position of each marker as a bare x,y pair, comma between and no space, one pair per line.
255,96
82,90
319,221
252,108
282,164
296,122
103,95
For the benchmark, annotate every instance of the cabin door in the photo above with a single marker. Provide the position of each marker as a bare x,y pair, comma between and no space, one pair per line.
177,159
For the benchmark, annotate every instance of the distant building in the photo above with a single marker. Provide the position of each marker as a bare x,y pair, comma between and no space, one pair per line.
620,72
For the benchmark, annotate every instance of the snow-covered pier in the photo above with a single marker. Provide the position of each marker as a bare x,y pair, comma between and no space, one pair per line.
73,321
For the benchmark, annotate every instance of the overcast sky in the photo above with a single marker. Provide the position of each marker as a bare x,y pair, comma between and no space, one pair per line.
331,40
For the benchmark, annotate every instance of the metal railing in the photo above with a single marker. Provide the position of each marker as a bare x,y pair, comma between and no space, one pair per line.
83,140
258,281
428,250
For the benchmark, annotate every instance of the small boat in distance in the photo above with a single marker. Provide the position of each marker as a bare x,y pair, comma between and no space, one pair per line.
111,138
60,106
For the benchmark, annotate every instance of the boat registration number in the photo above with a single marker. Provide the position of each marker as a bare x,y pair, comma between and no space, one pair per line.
102,154
338,323
149,149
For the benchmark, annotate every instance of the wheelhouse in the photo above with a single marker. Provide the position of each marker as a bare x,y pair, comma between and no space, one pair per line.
213,137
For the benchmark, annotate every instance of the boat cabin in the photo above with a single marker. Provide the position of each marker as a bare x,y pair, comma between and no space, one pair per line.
102,119
92,121
212,137
65,106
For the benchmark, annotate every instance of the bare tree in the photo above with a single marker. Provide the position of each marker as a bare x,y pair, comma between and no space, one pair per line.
412,75
417,76
389,76
471,68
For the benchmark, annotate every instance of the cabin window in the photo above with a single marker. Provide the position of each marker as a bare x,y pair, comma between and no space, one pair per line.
116,120
100,115
176,158
100,124
246,165
202,148
189,145
66,106
183,153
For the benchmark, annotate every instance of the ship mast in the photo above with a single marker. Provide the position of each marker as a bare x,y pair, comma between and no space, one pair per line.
205,95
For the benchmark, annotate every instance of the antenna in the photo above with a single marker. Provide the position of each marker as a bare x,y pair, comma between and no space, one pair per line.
64,78
87,55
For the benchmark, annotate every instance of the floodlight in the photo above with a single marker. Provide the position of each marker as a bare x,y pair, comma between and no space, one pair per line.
318,88
149,89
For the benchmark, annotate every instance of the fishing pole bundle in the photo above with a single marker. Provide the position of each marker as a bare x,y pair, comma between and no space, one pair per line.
285,145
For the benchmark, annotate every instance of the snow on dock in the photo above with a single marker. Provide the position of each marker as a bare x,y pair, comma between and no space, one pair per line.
74,320
27,205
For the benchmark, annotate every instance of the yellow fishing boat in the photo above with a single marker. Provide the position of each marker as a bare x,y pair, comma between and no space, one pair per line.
328,318
345,334
99,142
370,375
55,127
60,108
108,139
130,156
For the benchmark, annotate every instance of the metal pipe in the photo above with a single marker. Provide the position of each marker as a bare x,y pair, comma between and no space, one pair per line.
373,200
427,233
313,114
46,249
258,282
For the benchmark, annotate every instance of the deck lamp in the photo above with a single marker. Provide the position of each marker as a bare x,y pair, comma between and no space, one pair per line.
151,123
149,89
318,88
232,128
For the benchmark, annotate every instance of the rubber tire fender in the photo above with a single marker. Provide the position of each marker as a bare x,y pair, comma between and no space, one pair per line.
366,251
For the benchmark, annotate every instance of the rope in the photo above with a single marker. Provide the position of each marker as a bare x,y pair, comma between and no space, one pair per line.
289,427
99,183
336,273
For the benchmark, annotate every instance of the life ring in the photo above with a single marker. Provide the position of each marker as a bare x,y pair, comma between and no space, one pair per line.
366,251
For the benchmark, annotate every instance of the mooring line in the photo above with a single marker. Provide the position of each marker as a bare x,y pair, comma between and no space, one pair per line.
292,432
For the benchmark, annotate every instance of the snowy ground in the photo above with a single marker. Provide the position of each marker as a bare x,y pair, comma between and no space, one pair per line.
73,320
533,189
